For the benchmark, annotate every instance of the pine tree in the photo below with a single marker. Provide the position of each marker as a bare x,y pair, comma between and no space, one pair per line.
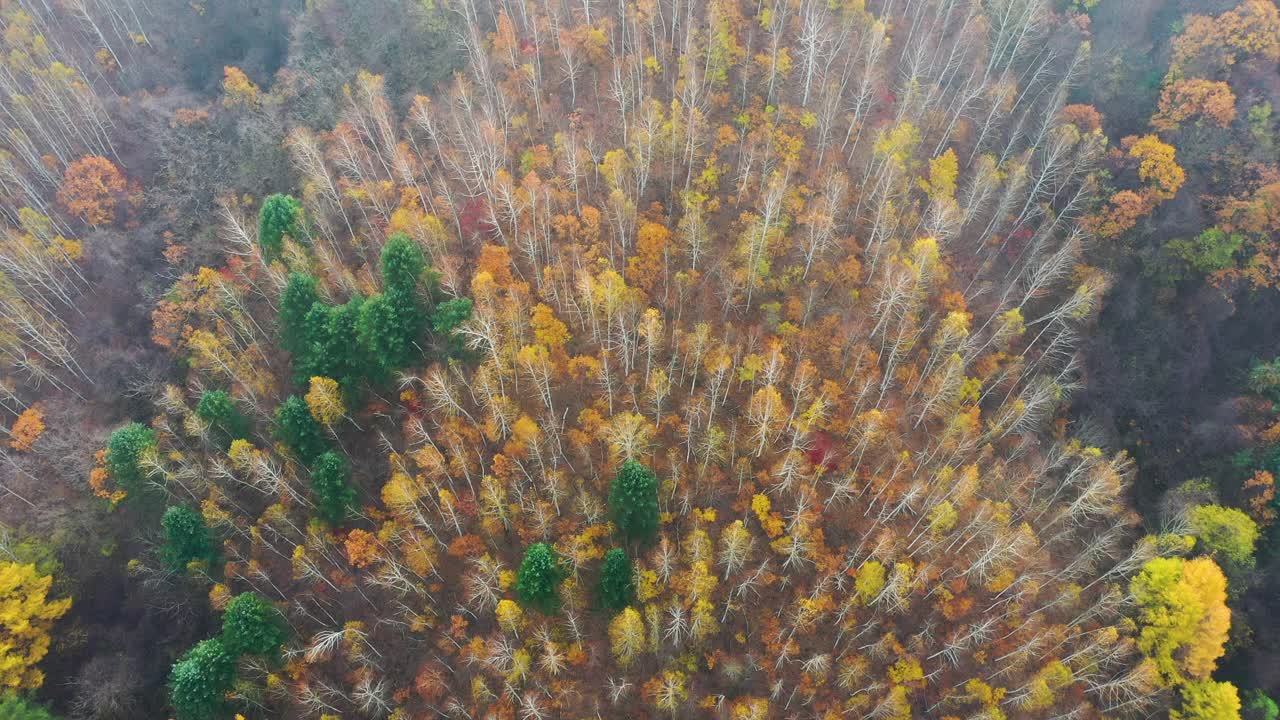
633,501
217,409
199,682
447,316
450,314
538,582
252,626
392,323
383,334
334,350
299,430
616,588
332,493
280,215
13,707
402,264
295,303
1258,706
124,450
186,538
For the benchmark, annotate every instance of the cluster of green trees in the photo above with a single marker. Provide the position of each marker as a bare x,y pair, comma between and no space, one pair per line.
186,537
633,508
366,339
361,341
13,707
199,681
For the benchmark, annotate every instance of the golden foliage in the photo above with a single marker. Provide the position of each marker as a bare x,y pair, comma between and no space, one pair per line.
90,189
27,429
26,617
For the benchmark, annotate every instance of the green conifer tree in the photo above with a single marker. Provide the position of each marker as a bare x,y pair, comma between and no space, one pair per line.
538,582
330,489
199,682
124,450
297,429
186,538
280,215
616,589
252,626
217,408
633,501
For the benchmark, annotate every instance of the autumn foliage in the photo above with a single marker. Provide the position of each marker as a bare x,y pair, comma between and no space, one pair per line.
27,429
662,364
91,189
1195,98
27,615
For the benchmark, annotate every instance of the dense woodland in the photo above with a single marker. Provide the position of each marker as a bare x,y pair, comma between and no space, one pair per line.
721,359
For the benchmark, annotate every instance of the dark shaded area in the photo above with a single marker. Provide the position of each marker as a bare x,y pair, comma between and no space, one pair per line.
252,35
409,44
1167,364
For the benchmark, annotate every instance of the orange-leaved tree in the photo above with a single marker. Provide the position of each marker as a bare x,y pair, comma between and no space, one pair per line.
91,189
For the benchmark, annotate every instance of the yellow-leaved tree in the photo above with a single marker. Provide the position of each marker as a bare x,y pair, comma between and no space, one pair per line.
1183,614
26,616
324,400
626,634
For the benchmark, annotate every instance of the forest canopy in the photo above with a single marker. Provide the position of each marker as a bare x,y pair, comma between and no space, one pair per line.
706,359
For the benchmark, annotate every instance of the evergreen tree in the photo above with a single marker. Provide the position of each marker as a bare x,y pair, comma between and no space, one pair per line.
334,350
199,682
616,588
332,493
392,323
384,336
280,215
217,409
633,501
252,626
402,264
186,538
297,429
538,582
124,450
295,303
450,314
447,317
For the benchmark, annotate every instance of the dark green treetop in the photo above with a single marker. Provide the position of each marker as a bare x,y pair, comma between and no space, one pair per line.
538,582
330,489
297,300
199,681
186,538
617,590
280,215
13,707
124,450
297,429
633,501
252,626
217,408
